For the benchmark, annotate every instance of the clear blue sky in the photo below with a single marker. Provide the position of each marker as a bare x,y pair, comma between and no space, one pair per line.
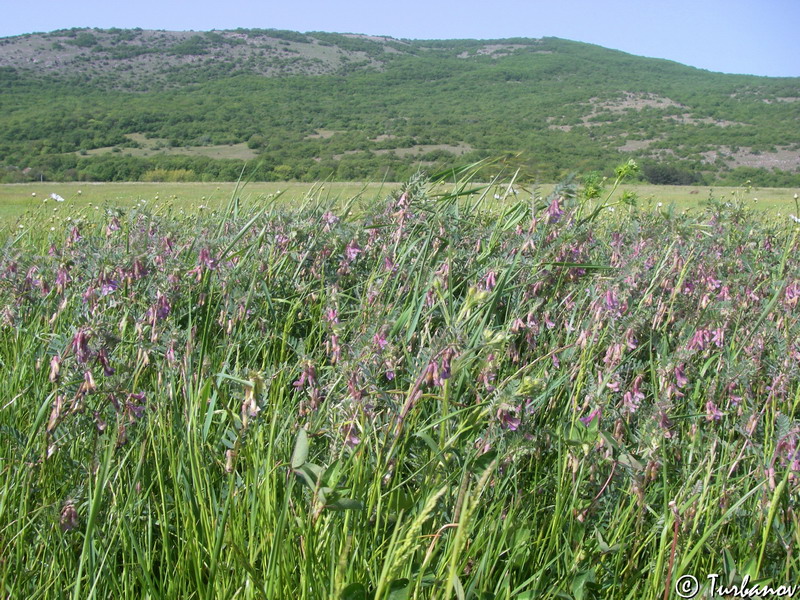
760,37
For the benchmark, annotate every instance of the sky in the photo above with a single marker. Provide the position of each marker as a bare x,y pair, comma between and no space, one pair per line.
757,37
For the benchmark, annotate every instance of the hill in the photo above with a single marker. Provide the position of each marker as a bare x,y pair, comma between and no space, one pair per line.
134,104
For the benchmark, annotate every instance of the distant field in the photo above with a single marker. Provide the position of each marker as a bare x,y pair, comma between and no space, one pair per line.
15,199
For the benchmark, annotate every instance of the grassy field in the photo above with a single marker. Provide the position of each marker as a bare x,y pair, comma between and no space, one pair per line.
15,199
432,397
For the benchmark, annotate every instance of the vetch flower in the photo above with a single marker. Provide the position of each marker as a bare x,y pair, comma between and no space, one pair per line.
597,413
680,378
69,517
352,250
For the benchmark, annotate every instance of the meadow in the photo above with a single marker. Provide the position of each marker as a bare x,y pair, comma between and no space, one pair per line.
16,199
435,393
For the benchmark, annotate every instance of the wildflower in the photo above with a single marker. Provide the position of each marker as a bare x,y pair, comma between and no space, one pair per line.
56,197
134,406
597,413
350,431
630,340
74,234
55,368
55,412
380,339
554,210
352,250
712,412
792,294
613,354
611,300
162,307
490,281
102,358
700,339
88,384
62,279
508,416
250,408
432,374
108,286
330,219
230,458
633,398
69,519
680,378
112,226
80,345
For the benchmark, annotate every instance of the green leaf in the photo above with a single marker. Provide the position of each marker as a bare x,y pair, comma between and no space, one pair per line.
309,473
300,453
345,504
582,583
354,591
480,464
398,590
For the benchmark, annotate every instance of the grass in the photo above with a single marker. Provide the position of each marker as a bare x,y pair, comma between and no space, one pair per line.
15,199
434,396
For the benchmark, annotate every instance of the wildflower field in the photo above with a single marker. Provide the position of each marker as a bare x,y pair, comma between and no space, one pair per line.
437,395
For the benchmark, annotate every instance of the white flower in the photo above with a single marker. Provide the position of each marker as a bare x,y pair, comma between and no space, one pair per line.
34,195
56,197
795,219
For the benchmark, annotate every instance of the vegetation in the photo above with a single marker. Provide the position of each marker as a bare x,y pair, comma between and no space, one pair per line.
437,396
385,106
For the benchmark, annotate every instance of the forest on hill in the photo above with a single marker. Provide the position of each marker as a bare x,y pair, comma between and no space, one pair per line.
128,105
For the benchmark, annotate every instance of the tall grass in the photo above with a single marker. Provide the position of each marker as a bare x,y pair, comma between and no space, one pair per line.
432,397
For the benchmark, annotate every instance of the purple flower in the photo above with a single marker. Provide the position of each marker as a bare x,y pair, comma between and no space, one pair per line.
163,307
108,287
712,412
507,415
380,339
633,398
102,358
80,345
330,218
352,250
597,413
554,211
490,281
680,378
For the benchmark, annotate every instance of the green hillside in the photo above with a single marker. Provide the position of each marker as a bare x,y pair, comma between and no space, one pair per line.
134,104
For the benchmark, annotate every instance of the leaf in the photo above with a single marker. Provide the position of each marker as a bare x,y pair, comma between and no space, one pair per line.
354,591
309,473
480,464
458,588
345,504
398,590
582,583
300,453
